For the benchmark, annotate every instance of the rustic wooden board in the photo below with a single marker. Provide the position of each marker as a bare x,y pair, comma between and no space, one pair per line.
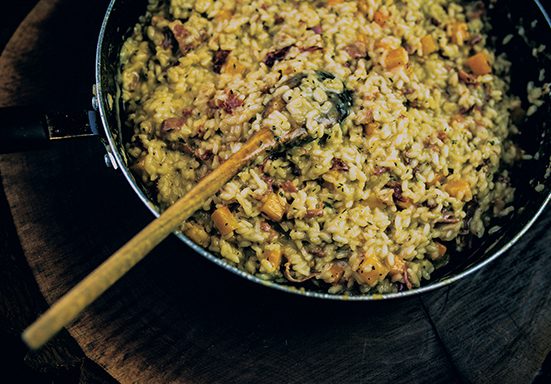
178,318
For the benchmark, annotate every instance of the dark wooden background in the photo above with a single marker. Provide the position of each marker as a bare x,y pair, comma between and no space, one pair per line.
178,318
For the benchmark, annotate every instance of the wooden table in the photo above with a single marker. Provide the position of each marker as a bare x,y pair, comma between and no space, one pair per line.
62,212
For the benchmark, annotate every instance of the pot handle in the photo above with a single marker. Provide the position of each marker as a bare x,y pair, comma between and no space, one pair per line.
26,128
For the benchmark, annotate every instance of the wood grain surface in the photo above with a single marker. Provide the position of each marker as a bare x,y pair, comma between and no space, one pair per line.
178,318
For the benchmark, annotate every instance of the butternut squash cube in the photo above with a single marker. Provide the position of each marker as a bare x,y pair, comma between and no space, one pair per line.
460,189
441,248
197,234
334,274
479,64
273,207
224,14
398,266
224,220
380,18
372,271
396,58
429,45
459,33
274,257
233,66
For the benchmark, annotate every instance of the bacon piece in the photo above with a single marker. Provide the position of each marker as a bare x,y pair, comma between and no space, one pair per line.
206,155
311,49
212,104
185,147
406,277
187,112
231,103
339,165
467,78
219,59
317,29
400,200
477,11
475,40
357,50
288,186
380,170
318,212
435,22
264,226
262,166
182,146
448,218
181,35
442,135
172,124
276,55
428,144
466,111
397,189
269,180
404,202
318,252
291,278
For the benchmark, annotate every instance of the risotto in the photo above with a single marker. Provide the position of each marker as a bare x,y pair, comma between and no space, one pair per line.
417,164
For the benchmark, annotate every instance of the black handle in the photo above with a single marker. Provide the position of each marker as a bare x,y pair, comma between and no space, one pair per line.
25,128
21,129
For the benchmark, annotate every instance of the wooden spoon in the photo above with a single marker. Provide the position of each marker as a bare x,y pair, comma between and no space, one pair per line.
68,307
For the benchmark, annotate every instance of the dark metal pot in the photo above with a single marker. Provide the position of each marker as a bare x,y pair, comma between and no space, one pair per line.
535,137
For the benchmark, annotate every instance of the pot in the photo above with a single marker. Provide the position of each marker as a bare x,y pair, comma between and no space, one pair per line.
519,29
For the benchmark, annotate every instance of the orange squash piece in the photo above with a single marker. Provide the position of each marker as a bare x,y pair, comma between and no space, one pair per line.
398,267
371,128
460,189
479,64
395,58
197,234
372,271
224,220
459,33
273,207
441,248
336,273
224,14
380,18
429,45
274,257
233,66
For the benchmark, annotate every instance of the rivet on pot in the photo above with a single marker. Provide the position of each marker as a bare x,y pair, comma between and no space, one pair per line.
110,161
95,103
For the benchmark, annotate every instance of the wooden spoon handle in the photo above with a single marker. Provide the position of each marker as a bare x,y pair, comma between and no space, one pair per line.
69,306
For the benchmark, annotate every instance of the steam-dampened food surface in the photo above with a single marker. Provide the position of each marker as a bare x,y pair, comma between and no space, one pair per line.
418,164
